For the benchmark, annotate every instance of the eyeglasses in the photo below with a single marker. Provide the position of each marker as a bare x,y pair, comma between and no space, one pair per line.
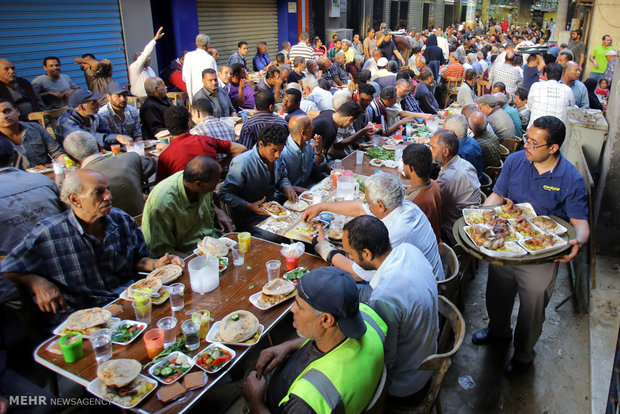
526,143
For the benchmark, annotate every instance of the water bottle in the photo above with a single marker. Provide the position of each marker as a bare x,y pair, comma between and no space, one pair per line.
408,130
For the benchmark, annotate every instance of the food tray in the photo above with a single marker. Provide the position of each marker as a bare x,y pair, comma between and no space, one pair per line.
212,334
276,216
40,169
306,196
111,322
255,300
142,324
527,211
558,230
213,345
334,234
525,236
96,386
300,205
512,248
390,164
558,244
474,216
173,355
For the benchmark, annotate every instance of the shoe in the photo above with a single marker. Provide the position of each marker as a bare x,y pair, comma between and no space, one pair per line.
515,367
483,337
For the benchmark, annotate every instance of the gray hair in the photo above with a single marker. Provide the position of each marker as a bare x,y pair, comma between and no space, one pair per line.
298,61
471,57
202,40
80,145
310,82
456,123
358,59
387,188
71,185
501,98
150,84
341,96
422,59
339,54
454,56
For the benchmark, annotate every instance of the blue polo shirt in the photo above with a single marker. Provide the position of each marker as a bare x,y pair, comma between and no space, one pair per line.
560,192
470,150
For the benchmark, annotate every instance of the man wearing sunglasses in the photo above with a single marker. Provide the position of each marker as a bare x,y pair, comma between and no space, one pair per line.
540,175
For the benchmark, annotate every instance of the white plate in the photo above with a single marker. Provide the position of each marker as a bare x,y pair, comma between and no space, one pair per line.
512,250
40,171
527,211
306,196
142,324
254,300
559,243
471,214
213,345
559,229
522,236
286,212
376,162
59,328
95,387
177,355
216,327
390,164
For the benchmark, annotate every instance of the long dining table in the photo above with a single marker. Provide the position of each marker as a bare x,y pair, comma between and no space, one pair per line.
237,284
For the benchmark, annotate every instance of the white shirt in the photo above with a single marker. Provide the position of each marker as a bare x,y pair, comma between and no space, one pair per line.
405,297
225,86
306,105
483,64
322,98
371,65
194,63
442,42
550,98
138,73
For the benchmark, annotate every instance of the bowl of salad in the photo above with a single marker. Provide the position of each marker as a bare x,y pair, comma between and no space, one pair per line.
214,357
171,368
124,332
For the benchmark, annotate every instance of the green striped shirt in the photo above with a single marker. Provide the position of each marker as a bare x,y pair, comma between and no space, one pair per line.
171,222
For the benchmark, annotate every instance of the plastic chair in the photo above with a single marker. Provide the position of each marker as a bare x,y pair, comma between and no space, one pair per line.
494,172
503,152
449,287
48,119
375,406
486,184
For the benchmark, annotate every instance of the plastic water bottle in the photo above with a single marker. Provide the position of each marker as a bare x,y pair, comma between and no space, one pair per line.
408,130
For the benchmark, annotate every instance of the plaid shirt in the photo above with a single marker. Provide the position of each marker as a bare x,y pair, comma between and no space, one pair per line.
88,272
411,104
550,98
254,124
129,126
504,72
338,71
215,128
489,144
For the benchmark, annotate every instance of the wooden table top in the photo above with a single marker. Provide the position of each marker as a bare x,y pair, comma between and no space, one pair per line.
366,169
237,284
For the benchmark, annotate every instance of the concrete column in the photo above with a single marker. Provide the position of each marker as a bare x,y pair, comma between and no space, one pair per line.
440,9
414,16
561,16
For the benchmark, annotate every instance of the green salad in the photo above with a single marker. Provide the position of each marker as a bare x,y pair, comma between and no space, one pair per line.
380,153
295,274
125,331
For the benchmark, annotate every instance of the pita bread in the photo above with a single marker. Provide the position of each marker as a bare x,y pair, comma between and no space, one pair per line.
153,284
87,318
213,247
119,372
240,330
300,205
167,274
278,287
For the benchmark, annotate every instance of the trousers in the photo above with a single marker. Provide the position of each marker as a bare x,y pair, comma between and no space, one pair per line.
534,284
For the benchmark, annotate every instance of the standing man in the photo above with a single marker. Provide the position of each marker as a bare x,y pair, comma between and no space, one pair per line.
577,47
389,50
140,70
17,90
98,73
527,176
195,62
570,78
153,108
54,88
550,97
118,116
598,59
370,44
239,55
222,106
302,48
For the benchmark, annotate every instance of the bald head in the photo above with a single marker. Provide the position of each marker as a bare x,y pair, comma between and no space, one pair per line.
478,122
201,169
301,128
469,109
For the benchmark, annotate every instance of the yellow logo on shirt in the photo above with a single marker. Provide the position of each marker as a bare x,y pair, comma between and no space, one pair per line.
551,188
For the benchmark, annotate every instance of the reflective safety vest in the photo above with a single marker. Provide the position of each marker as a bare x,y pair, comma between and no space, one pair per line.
344,379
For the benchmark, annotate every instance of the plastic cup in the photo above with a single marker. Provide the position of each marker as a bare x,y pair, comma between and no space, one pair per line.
167,325
143,310
359,157
398,154
273,269
177,300
191,330
244,239
238,256
101,341
244,115
154,342
202,318
71,347
291,262
116,148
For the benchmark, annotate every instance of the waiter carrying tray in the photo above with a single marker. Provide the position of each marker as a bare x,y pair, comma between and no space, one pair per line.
541,176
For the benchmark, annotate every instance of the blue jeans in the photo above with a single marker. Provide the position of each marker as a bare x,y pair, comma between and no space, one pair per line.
596,75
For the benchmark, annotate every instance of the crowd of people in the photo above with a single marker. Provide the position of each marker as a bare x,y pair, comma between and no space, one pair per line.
78,246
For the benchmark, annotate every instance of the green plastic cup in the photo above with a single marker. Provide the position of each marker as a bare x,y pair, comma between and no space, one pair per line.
71,347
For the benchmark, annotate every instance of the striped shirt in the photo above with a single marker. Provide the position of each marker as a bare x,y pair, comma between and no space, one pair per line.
301,49
171,222
252,127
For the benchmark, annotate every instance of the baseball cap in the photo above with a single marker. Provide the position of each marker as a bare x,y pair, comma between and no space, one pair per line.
332,290
115,88
611,53
6,147
83,95
382,62
488,100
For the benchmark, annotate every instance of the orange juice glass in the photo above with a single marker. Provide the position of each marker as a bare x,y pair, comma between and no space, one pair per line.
244,239
154,341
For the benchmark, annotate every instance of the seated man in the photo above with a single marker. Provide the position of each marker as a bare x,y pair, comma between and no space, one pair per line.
291,104
85,256
339,74
501,122
314,93
261,59
304,104
488,141
241,93
18,90
405,221
513,113
467,94
424,93
469,149
256,177
126,172
207,124
180,211
118,116
304,162
265,102
54,88
271,82
32,143
328,122
343,346
222,106
185,146
299,64
84,117
404,294
383,108
153,108
424,191
457,179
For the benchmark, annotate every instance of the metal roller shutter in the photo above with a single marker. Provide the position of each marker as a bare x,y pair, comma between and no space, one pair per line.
32,30
230,22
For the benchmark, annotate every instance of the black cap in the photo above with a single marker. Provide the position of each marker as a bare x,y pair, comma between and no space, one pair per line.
83,95
332,290
115,88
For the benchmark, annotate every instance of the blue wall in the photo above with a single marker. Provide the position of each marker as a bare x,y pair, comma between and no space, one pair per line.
287,24
180,21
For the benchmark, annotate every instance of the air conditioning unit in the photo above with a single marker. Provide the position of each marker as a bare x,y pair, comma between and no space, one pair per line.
342,34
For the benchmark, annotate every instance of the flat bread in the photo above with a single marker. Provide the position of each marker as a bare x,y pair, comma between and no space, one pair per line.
239,330
119,372
87,318
166,274
213,247
300,205
278,287
153,284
